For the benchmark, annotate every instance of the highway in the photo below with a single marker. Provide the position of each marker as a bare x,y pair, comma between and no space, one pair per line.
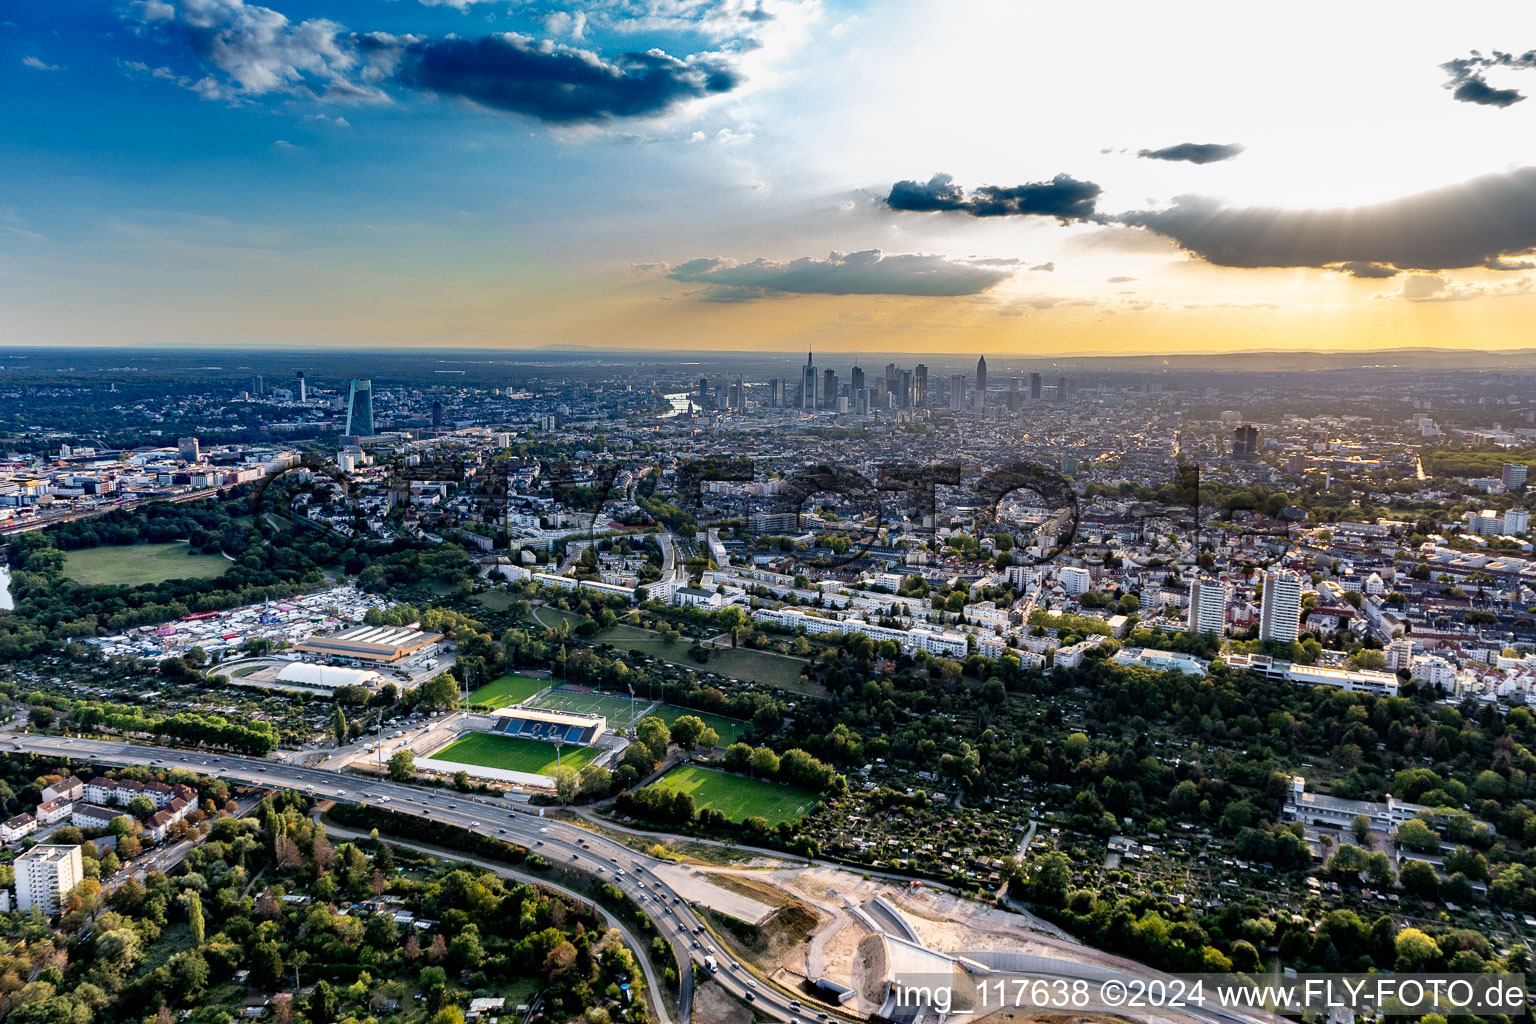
561,843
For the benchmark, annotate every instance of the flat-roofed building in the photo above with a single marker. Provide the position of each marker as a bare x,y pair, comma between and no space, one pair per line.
548,725
45,875
374,645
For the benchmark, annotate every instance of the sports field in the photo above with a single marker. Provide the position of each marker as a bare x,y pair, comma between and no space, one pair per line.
735,797
730,729
512,754
614,708
509,689
132,564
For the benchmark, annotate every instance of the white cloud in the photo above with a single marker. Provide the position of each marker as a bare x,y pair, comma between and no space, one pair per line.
38,65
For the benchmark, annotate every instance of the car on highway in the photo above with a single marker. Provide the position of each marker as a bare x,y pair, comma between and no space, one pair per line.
751,998
751,983
474,824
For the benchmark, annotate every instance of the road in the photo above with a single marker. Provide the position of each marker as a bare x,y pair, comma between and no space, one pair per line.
566,844
572,846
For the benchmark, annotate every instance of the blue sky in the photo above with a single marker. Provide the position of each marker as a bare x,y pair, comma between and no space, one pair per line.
736,173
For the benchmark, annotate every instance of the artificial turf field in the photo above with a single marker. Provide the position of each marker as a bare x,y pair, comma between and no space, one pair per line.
509,689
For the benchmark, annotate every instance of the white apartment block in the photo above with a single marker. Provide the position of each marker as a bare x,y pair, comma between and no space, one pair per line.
948,644
45,875
1280,607
1435,670
1517,520
1075,580
1207,606
21,825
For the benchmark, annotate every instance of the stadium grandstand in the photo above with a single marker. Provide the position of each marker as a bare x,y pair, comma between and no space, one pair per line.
549,726
373,645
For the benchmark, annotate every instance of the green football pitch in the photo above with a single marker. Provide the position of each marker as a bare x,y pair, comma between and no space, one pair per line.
513,754
738,798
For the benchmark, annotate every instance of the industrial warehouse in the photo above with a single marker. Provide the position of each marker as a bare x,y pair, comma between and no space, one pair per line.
372,645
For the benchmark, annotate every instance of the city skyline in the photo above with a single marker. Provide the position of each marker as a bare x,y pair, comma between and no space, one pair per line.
730,176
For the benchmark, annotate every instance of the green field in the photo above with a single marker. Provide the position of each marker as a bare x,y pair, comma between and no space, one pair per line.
509,689
512,754
612,707
743,663
132,564
738,798
730,729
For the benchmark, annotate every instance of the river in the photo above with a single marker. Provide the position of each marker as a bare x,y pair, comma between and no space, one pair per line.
680,403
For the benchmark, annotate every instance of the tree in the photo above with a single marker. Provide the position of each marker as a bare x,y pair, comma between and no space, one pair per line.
1362,829
339,726
402,765
440,691
1418,837
141,806
653,733
765,762
322,1004
567,783
689,731
1414,949
1049,880
195,925
266,965
1419,878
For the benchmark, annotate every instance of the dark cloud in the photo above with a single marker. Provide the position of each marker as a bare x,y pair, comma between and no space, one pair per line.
1476,223
1365,269
1476,90
560,84
250,51
1469,84
1194,152
870,272
1063,197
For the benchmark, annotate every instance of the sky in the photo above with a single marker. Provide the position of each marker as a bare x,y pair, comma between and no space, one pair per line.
889,176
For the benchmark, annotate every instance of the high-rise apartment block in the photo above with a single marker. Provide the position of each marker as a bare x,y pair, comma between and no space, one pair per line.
1207,606
45,875
1280,607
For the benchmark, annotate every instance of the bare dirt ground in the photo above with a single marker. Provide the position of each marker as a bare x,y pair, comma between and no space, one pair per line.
712,1005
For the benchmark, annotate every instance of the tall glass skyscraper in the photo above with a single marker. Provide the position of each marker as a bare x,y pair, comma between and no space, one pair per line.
360,409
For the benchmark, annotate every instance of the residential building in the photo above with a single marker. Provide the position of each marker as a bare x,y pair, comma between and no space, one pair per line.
45,875
1280,607
1075,580
21,825
1399,655
1207,606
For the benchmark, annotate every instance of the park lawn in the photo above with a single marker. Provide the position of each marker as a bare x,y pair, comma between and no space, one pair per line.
130,565
513,754
744,663
509,689
736,797
730,729
621,631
